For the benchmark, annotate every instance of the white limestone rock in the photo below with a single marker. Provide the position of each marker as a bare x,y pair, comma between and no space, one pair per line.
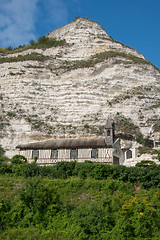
59,96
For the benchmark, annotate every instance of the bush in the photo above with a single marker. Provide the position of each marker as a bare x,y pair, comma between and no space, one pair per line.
27,170
18,159
146,163
29,57
5,168
2,152
142,173
65,169
42,208
140,138
4,159
43,42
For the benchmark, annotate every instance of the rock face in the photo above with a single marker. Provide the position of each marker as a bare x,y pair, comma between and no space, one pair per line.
71,90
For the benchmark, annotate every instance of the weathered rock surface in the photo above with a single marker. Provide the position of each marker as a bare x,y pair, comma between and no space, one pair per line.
76,87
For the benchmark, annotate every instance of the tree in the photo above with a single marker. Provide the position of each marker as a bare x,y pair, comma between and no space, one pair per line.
32,42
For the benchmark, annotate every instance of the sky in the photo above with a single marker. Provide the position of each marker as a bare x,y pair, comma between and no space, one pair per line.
135,23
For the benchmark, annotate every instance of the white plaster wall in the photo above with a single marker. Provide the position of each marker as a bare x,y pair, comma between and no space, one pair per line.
84,153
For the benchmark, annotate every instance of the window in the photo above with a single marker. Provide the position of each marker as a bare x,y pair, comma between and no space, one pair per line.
54,154
108,132
94,153
157,144
129,154
73,154
35,153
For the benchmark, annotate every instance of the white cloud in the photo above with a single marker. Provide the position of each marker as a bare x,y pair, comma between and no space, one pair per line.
19,18
17,22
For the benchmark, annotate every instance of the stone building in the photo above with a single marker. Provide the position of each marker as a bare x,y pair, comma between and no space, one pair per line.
96,149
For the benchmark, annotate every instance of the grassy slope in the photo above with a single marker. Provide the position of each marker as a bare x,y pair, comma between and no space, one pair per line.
77,209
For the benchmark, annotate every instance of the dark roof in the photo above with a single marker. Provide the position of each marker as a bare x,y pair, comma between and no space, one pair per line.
66,143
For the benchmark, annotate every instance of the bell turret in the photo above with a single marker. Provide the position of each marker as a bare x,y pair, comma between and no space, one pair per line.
109,138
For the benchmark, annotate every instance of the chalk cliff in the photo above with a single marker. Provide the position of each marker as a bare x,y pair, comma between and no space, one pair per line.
71,89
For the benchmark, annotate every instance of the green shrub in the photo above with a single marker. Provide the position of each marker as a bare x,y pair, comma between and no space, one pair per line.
30,233
27,170
65,169
146,163
43,42
158,155
4,159
126,127
138,213
145,149
2,151
5,168
29,57
140,138
142,173
42,208
18,159
86,126
156,126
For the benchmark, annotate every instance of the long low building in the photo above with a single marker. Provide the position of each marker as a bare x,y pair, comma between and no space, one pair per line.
97,149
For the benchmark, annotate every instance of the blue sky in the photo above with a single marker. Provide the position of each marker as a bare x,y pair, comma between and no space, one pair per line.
135,23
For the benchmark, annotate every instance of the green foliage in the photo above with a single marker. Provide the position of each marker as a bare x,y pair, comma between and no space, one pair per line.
138,213
2,152
100,57
38,199
140,138
27,170
43,42
30,233
5,168
18,159
86,126
156,126
144,141
76,17
158,154
11,114
35,159
145,149
29,57
79,209
73,200
127,129
85,170
4,159
32,42
3,122
38,124
64,169
146,163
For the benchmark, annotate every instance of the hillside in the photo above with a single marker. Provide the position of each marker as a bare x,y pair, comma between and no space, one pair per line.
71,87
73,201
